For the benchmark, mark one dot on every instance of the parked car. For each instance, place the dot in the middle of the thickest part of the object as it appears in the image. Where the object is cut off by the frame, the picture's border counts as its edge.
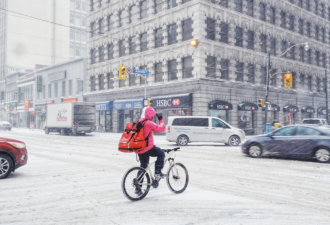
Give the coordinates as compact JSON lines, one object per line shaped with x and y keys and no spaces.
{"x":5,"y":125}
{"x":185,"y":129}
{"x":296,"y":141}
{"x":315,"y":121}
{"x":13,"y":154}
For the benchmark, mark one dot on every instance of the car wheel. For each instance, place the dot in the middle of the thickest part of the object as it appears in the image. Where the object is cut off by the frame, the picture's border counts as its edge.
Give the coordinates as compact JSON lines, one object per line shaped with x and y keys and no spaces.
{"x":234,"y":140}
{"x":322,"y":155}
{"x":255,"y":151}
{"x":46,"y":131}
{"x":63,"y":132}
{"x":6,"y":166}
{"x":182,"y":140}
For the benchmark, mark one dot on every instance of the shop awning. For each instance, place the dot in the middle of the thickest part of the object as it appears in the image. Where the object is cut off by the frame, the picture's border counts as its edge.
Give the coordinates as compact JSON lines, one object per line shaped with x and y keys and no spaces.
{"x":273,"y":107}
{"x":104,"y":106}
{"x":220,"y":105}
{"x":247,"y":106}
{"x":322,"y":110}
{"x":172,"y":101}
{"x":128,"y":104}
{"x":290,"y":108}
{"x":308,"y":109}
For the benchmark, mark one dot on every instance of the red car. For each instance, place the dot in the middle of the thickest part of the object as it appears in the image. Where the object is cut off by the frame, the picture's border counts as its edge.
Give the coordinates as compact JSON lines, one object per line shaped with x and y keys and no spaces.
{"x":13,"y":154}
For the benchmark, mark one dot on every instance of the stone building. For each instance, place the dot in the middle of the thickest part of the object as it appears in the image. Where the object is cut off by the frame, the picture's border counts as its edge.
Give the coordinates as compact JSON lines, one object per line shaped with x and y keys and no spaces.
{"x":225,"y":74}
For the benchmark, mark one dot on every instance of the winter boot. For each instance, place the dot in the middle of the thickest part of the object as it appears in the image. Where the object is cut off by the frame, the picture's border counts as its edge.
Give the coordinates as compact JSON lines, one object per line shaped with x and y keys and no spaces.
{"x":159,"y":174}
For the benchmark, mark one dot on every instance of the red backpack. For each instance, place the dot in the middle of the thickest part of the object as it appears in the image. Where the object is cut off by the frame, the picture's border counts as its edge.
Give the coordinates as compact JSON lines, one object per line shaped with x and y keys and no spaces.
{"x":133,"y":139}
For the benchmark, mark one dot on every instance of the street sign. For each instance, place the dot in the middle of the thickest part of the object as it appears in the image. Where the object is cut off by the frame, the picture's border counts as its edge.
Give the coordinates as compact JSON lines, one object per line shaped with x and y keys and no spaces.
{"x":143,"y":72}
{"x":269,"y":107}
{"x":129,"y":70}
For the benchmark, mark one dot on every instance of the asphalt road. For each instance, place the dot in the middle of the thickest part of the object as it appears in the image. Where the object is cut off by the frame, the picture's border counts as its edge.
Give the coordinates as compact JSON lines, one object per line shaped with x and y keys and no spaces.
{"x":76,"y":180}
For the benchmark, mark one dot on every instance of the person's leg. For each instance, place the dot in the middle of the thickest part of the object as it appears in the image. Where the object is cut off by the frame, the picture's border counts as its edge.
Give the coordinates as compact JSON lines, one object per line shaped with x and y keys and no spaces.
{"x":144,"y":161}
{"x":160,"y":154}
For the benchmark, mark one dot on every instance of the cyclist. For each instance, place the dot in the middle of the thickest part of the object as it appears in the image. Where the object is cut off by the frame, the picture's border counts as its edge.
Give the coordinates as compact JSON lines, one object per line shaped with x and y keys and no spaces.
{"x":151,"y":150}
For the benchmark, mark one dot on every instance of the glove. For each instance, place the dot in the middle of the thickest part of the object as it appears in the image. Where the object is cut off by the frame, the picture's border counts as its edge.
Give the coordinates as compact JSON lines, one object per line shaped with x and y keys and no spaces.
{"x":159,"y":116}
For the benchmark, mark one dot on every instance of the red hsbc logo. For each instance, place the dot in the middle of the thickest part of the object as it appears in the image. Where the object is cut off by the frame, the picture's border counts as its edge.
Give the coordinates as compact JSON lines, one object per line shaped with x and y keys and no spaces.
{"x":176,"y":101}
{"x":226,"y":107}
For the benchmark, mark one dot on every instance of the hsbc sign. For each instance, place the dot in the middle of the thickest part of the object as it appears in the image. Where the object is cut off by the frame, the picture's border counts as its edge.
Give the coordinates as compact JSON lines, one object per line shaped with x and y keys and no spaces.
{"x":180,"y":101}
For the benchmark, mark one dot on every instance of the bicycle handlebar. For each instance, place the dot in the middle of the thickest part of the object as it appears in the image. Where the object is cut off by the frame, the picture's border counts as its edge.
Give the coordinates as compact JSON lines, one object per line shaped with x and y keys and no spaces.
{"x":169,"y":150}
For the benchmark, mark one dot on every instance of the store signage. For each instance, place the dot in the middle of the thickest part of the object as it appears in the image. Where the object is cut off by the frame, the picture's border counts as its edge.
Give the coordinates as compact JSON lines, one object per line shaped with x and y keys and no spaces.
{"x":290,"y":108}
{"x":70,"y":100}
{"x":247,"y":106}
{"x":128,"y":104}
{"x":220,"y":105}
{"x":143,"y":72}
{"x":39,"y":83}
{"x":39,"y":108}
{"x":57,"y":75}
{"x":179,"y":101}
{"x":322,"y":111}
{"x":307,"y":109}
{"x":50,"y":102}
{"x":27,"y":105}
{"x":272,"y":107}
{"x":104,"y":106}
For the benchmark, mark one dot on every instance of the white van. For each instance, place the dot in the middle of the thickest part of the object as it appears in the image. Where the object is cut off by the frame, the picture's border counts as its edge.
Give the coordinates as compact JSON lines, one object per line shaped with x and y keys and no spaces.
{"x":184,"y":129}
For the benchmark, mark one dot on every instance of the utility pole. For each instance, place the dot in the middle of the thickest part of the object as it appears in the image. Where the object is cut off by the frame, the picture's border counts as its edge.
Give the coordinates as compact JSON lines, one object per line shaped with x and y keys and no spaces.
{"x":326,"y":96}
{"x":267,"y":89}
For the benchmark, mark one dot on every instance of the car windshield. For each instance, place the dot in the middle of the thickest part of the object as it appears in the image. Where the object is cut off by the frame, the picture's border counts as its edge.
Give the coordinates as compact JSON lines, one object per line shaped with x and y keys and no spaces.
{"x":311,"y":121}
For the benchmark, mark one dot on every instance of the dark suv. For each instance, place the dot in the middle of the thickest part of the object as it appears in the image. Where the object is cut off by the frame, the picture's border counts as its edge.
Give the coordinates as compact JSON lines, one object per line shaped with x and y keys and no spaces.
{"x":13,"y":154}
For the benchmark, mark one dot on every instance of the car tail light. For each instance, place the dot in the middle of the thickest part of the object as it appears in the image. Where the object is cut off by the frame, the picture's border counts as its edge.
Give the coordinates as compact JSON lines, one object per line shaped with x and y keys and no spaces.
{"x":168,"y":129}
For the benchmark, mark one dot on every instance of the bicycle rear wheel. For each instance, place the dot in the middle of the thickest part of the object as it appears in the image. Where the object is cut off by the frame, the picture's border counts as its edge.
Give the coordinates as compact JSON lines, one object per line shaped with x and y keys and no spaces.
{"x":135,"y":184}
{"x":177,"y":178}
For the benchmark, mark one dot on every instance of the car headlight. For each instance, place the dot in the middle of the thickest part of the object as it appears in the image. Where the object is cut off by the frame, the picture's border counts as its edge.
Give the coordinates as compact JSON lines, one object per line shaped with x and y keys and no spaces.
{"x":242,"y":132}
{"x":17,"y":145}
{"x":242,"y":142}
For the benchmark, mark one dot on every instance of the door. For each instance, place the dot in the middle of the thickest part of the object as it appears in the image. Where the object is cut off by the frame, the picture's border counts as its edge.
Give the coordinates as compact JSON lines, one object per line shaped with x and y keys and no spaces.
{"x":121,"y":120}
{"x":200,"y":129}
{"x":217,"y":130}
{"x":280,"y":141}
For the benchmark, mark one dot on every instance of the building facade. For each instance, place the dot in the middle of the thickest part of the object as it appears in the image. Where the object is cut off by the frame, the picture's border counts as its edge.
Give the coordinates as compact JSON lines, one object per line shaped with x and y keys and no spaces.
{"x":225,"y":74}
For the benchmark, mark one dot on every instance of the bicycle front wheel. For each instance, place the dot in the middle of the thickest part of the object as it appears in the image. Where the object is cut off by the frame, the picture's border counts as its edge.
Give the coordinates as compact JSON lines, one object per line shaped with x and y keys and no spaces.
{"x":177,"y":178}
{"x":136,"y":184}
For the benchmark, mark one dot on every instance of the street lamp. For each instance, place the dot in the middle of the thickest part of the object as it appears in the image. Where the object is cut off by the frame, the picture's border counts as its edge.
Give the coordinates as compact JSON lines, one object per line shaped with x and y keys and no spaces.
{"x":268,"y":70}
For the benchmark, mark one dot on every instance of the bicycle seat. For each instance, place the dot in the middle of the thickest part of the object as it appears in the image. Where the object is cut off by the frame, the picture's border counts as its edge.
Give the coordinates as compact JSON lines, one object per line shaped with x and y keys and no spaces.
{"x":169,"y":150}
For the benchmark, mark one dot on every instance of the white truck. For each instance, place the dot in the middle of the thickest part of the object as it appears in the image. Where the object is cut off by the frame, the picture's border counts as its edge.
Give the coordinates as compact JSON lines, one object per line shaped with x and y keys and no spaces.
{"x":70,"y":118}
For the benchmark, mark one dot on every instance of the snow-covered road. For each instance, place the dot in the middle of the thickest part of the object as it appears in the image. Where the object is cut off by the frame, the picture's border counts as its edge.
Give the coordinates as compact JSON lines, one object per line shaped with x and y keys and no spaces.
{"x":76,"y":180}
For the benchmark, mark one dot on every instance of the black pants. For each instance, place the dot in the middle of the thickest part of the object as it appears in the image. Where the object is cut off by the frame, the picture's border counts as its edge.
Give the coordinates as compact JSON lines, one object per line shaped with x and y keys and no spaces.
{"x":154,"y":152}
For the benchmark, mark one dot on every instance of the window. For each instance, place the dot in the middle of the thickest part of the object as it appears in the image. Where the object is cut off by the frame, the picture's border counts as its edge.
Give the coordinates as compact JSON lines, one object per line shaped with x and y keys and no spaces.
{"x":158,"y":6}
{"x":70,"y":87}
{"x":56,"y":90}
{"x":218,"y":123}
{"x":301,"y":26}
{"x":72,"y":4}
{"x":187,"y":67}
{"x":172,"y":70}
{"x":101,"y":53}
{"x":286,"y":131}
{"x":224,"y":32}
{"x":144,"y":10}
{"x":273,"y":46}
{"x":306,"y":131}
{"x":316,"y":7}
{"x":322,"y":10}
{"x":211,"y":66}
{"x":101,"y":82}
{"x":318,"y":84}
{"x":283,"y":20}
{"x":111,"y":22}
{"x":324,"y":59}
{"x":239,"y":36}
{"x":144,"y":42}
{"x":44,"y":91}
{"x":172,"y":33}
{"x":272,"y":17}
{"x":284,"y":48}
{"x":110,"y":80}
{"x":317,"y":30}
{"x":238,"y":5}
{"x":63,"y":88}
{"x":110,"y":51}
{"x":92,"y":82}
{"x":132,"y":45}
{"x":300,"y":3}
{"x":83,"y":22}
{"x":210,"y":29}
{"x":292,"y":53}
{"x":159,"y":72}
{"x":172,"y":4}
{"x":291,"y":23}
{"x":132,"y":80}
{"x":302,"y":53}
{"x":302,"y":81}
{"x":223,"y":3}
{"x":262,"y":11}
{"x":309,"y":56}
{"x":224,"y":69}
{"x":308,"y":29}
{"x":323,"y":34}
{"x":72,"y":35}
{"x":77,"y":36}
{"x":196,"y":122}
{"x":123,"y":18}
{"x":239,"y":71}
{"x":101,"y":26}
{"x":122,"y":48}
{"x":159,"y":37}
{"x":187,"y":29}
{"x":83,"y":38}
{"x":93,"y":29}
{"x":185,"y":1}
{"x":263,"y":75}
{"x":250,"y":40}
{"x":49,"y":90}
{"x":77,"y":21}
{"x":80,"y":87}
{"x":263,"y":43}
{"x":100,"y":3}
{"x":317,"y":58}
{"x":93,"y":56}
{"x":250,"y":73}
{"x":83,"y":6}
{"x":309,"y":83}
{"x":308,"y":5}
{"x":134,"y":14}
{"x":249,"y":7}
{"x":72,"y":18}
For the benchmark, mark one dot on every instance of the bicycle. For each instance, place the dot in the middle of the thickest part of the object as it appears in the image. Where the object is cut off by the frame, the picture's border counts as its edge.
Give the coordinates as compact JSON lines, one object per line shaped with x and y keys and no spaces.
{"x":140,"y":178}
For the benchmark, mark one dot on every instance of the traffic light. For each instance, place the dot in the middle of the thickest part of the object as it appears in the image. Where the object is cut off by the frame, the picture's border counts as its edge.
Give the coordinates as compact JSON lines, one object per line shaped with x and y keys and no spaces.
{"x":122,"y":72}
{"x":288,"y":80}
{"x":194,"y":42}
{"x":149,"y":102}
{"x":261,"y":103}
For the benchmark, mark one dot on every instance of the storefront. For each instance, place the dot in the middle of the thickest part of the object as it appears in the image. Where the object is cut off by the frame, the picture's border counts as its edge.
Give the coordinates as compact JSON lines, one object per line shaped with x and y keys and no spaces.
{"x":128,"y":111}
{"x":290,"y":115}
{"x":322,"y":112}
{"x":272,"y":114}
{"x":246,"y":117}
{"x":104,"y":116}
{"x":307,"y":112}
{"x":173,"y":105}
{"x":220,"y":109}
{"x":40,"y":111}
